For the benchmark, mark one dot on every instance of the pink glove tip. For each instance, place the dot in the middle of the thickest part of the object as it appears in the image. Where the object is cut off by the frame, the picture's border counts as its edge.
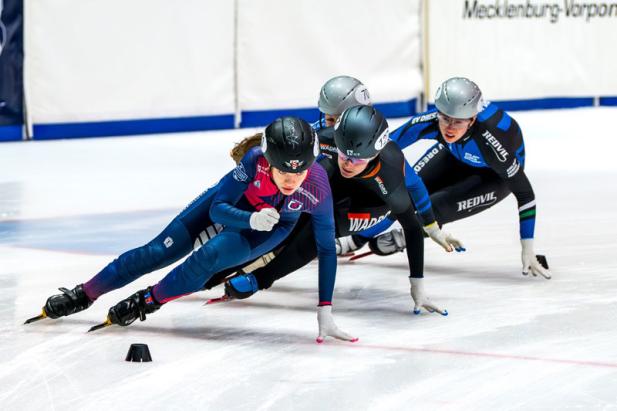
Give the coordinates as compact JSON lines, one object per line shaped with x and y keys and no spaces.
{"x":319,"y":340}
{"x":355,"y":340}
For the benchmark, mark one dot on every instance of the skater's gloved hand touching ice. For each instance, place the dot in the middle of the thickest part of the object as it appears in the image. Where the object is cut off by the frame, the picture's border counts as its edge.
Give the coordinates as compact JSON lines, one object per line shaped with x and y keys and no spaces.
{"x":420,"y":298}
{"x":327,"y":327}
{"x":444,"y":239}
{"x":264,"y":219}
{"x":530,"y":261}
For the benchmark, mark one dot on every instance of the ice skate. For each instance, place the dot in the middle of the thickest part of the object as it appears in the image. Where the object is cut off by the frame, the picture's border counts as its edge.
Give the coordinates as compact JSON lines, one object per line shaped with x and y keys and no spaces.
{"x":130,"y":309}
{"x":61,"y":305}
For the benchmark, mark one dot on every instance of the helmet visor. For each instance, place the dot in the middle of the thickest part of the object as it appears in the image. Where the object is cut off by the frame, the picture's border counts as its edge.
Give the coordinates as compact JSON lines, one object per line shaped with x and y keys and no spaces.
{"x":353,"y":160}
{"x":454,"y":123}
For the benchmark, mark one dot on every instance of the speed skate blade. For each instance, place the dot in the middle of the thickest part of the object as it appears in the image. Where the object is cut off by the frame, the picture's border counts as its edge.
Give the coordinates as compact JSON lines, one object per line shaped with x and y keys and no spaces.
{"x":217,"y":300}
{"x":37,"y":318}
{"x":107,"y":323}
{"x":358,"y":256}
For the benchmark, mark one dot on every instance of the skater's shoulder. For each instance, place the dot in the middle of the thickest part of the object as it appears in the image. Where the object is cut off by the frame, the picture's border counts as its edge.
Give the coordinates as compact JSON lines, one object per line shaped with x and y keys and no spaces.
{"x":326,"y":140}
{"x":392,"y":156}
{"x":315,"y":188}
{"x":425,"y":118}
{"x":253,"y":155}
{"x":317,"y":177}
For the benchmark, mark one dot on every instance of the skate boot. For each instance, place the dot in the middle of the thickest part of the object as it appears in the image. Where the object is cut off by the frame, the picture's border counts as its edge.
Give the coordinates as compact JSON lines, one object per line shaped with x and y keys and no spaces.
{"x":130,"y":309}
{"x":133,"y":308}
{"x":67,"y":303}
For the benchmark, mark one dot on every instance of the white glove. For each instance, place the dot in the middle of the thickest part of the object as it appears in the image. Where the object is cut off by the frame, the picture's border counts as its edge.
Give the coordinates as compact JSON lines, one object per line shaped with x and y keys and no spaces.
{"x":388,"y":243}
{"x":530,"y":262}
{"x":264,"y":219}
{"x":327,"y":326}
{"x":420,"y":299}
{"x":345,"y":245}
{"x":442,"y":238}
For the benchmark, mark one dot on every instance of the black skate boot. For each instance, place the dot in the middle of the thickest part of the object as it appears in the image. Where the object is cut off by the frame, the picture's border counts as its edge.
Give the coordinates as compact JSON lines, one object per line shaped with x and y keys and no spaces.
{"x":130,"y":309}
{"x":67,"y":303}
{"x":133,"y":308}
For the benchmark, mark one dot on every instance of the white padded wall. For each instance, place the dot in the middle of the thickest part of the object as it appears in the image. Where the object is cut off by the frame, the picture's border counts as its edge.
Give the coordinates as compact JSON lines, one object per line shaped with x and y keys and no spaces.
{"x":89,"y":60}
{"x":521,"y":49}
{"x":287,"y":49}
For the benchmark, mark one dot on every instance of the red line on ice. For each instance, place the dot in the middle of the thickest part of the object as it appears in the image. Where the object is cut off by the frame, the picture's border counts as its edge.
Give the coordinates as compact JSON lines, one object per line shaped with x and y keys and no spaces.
{"x":491,"y":355}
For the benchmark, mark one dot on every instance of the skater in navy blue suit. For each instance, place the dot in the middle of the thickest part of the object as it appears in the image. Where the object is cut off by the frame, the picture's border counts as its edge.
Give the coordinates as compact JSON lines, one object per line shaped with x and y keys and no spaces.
{"x":479,"y":159}
{"x":248,"y":213}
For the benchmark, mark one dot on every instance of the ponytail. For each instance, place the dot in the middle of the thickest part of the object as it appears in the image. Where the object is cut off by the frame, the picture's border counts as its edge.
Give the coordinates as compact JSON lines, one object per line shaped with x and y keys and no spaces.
{"x":241,"y":148}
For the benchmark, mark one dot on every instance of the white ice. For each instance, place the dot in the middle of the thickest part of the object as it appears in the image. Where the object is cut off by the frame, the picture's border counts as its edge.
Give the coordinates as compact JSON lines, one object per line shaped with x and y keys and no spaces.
{"x":510,"y":342}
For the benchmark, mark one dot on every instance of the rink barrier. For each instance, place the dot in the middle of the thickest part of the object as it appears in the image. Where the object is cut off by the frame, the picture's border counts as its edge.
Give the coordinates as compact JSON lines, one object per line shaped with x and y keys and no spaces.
{"x":11,"y":69}
{"x":542,"y":103}
{"x":11,"y":133}
{"x":132,"y":127}
{"x":545,"y":103}
{"x":203,"y":123}
{"x":263,"y":117}
{"x":255,"y":119}
{"x":608,"y":101}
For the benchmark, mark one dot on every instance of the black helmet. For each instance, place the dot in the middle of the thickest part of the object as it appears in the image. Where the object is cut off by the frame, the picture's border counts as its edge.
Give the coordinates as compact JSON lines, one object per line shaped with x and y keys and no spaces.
{"x":361,"y":132}
{"x":290,"y":144}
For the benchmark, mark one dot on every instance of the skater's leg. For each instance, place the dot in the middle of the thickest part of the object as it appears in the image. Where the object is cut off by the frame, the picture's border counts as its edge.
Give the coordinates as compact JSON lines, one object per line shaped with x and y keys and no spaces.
{"x":228,"y":249}
{"x":168,"y":247}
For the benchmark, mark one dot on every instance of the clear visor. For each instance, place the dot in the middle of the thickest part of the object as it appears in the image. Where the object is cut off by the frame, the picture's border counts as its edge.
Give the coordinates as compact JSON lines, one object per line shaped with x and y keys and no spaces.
{"x":454,"y":123}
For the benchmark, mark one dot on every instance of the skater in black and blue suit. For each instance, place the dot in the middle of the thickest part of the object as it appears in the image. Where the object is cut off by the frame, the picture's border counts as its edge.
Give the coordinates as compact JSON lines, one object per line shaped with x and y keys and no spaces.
{"x":478,"y":160}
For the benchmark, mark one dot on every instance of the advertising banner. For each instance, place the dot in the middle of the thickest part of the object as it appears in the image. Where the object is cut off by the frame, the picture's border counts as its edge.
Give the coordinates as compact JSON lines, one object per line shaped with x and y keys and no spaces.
{"x":532,"y":53}
{"x":11,"y":70}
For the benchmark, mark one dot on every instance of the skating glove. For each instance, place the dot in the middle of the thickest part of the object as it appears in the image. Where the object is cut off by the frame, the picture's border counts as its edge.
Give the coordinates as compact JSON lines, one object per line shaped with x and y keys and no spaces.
{"x":345,"y":245}
{"x":420,"y":299}
{"x":264,"y":219}
{"x":327,"y":328}
{"x":388,"y":243}
{"x":530,"y":261}
{"x":443,"y":238}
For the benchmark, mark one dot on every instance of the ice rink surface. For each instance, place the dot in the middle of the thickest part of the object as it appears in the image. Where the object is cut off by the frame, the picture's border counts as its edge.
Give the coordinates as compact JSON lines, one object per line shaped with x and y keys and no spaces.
{"x":510,"y":342}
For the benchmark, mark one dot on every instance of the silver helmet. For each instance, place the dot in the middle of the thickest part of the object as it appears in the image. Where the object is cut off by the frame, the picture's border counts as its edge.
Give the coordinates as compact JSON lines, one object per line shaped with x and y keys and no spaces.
{"x":341,"y":92}
{"x":459,"y":97}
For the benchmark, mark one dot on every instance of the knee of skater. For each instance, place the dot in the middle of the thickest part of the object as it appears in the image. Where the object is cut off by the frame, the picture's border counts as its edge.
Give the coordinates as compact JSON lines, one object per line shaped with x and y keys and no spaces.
{"x":201,"y":264}
{"x":140,"y":261}
{"x":207,"y":254}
